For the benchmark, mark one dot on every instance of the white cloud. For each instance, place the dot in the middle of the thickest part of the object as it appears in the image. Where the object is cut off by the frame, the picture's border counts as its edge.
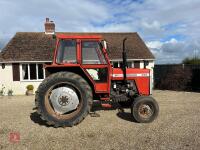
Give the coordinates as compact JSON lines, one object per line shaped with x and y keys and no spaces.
{"x":173,"y":51}
{"x":154,"y":44}
{"x":172,"y":40}
{"x":154,"y":25}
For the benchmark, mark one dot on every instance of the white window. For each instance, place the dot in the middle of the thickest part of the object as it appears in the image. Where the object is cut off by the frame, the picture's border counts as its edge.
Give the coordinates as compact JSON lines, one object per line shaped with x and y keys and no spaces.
{"x":118,"y":64}
{"x":32,"y":72}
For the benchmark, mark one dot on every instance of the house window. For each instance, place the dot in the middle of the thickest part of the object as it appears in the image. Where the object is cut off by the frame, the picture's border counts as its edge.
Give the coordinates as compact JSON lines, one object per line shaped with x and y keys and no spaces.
{"x":146,"y":63}
{"x":129,"y":64}
{"x":32,"y":72}
{"x":137,"y":64}
{"x":119,"y":64}
{"x":116,"y":64}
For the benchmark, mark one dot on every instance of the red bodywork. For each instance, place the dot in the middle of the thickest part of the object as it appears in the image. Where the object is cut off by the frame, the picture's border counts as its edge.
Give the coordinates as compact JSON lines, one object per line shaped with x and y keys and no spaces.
{"x":140,"y":76}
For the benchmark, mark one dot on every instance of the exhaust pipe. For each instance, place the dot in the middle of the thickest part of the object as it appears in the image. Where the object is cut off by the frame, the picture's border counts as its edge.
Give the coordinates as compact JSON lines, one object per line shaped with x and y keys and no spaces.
{"x":124,"y":57}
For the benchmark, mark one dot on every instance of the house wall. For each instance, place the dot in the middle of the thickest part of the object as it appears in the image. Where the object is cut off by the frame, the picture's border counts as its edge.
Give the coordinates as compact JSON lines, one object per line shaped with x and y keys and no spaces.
{"x":18,"y":87}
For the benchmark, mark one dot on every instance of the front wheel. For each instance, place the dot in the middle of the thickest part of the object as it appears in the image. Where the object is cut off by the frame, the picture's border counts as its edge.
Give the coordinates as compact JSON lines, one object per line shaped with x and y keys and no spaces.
{"x":144,"y":109}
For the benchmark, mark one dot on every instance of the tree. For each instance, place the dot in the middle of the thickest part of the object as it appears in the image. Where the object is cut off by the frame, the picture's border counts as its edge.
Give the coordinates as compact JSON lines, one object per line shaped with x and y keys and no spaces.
{"x":191,"y":61}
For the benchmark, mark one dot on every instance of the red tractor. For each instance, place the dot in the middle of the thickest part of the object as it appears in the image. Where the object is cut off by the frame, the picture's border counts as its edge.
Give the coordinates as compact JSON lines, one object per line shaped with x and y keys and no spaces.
{"x":81,"y":72}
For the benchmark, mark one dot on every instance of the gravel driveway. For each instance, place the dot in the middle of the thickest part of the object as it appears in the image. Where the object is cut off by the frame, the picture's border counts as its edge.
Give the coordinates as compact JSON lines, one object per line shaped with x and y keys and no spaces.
{"x":177,"y":127}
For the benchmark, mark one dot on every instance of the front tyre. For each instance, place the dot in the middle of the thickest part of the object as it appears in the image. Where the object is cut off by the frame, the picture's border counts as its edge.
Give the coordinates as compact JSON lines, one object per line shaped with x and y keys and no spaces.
{"x":144,"y":109}
{"x":63,"y":99}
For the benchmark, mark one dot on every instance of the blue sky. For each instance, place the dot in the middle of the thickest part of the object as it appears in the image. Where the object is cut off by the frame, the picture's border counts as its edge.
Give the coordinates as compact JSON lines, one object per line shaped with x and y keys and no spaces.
{"x":169,"y":28}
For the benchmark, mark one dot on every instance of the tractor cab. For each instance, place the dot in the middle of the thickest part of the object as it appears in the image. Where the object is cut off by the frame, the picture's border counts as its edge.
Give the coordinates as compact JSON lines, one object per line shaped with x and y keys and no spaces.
{"x":87,"y":53}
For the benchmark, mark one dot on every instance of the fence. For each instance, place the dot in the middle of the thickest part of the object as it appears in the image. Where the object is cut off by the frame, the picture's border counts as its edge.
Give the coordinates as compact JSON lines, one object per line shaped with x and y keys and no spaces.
{"x":177,"y":77}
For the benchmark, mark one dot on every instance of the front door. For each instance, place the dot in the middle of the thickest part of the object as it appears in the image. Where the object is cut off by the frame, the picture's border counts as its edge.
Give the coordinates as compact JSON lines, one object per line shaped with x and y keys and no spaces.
{"x":95,"y":64}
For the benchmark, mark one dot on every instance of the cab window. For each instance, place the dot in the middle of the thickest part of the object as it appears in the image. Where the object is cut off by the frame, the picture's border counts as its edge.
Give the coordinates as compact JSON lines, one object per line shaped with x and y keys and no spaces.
{"x":92,"y":53}
{"x":66,"y":51}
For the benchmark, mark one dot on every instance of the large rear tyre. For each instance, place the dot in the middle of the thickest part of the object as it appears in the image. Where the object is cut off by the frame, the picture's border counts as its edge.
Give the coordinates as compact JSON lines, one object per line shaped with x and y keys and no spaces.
{"x":63,"y":99}
{"x":144,"y":109}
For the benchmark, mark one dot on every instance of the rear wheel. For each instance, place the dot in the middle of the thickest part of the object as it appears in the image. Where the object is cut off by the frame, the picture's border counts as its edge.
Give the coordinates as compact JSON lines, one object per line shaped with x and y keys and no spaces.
{"x":64,"y":99}
{"x":144,"y":109}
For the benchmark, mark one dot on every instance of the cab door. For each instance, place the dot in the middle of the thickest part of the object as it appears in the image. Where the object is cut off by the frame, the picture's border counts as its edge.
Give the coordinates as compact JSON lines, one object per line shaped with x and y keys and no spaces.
{"x":95,"y":65}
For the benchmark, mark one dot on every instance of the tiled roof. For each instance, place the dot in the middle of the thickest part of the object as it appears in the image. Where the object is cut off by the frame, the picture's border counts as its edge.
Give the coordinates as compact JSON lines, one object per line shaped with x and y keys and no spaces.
{"x":38,"y":46}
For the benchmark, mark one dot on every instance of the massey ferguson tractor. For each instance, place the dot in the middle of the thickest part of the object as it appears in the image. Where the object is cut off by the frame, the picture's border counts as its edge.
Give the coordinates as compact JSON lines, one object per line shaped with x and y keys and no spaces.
{"x":80,"y":73}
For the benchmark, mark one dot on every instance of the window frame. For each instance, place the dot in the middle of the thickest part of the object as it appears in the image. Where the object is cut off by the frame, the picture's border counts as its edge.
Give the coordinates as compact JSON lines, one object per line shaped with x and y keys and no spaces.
{"x":37,"y":77}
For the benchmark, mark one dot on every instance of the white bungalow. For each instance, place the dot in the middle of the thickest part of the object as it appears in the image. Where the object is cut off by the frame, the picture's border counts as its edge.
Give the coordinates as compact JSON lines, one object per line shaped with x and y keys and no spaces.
{"x":22,"y":59}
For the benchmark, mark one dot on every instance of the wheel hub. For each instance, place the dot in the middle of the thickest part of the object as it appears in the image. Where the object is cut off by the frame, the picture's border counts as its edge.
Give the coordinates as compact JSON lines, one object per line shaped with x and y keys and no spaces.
{"x":145,"y":111}
{"x":64,"y":99}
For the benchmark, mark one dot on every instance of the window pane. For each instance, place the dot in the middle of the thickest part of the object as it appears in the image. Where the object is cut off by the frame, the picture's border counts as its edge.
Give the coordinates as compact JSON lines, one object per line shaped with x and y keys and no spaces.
{"x":33,"y":72}
{"x":40,"y":71}
{"x":67,"y":51}
{"x":121,"y":64}
{"x":115,"y":64}
{"x":91,"y":53}
{"x":137,"y":64}
{"x":25,"y":71}
{"x":129,"y":64}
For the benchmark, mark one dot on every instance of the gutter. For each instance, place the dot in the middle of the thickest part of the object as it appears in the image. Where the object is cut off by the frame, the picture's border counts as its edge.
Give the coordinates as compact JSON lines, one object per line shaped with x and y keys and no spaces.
{"x":7,"y":62}
{"x":51,"y":61}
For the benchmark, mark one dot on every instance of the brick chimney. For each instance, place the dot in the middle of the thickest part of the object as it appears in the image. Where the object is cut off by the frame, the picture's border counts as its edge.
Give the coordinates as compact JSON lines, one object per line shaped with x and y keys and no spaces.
{"x":49,"y":27}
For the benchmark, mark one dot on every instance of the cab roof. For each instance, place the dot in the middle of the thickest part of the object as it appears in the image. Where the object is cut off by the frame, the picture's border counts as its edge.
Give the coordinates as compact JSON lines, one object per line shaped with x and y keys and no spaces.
{"x":62,"y":36}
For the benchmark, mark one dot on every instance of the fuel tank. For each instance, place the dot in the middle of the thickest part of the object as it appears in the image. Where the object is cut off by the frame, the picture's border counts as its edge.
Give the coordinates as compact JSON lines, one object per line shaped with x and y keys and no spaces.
{"x":140,"y":76}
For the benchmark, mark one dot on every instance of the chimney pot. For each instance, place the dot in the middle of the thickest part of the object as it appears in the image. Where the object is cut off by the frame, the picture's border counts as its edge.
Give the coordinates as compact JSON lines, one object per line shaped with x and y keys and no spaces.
{"x":49,"y":27}
{"x":47,"y":19}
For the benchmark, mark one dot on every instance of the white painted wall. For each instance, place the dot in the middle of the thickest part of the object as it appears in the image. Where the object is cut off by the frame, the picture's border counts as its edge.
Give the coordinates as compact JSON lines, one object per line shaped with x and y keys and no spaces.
{"x":18,"y":87}
{"x":142,"y":64}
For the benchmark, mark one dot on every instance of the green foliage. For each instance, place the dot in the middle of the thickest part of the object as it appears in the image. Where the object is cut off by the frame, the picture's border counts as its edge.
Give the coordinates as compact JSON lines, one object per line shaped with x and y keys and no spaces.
{"x":2,"y":92}
{"x":29,"y":87}
{"x":10,"y":92}
{"x":191,"y":61}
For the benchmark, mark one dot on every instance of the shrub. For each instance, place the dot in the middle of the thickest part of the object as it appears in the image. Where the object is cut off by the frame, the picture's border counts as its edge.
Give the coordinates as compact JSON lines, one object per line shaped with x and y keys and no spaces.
{"x":2,"y":92}
{"x":29,"y":87}
{"x":10,"y":92}
{"x":191,"y":61}
{"x":176,"y":79}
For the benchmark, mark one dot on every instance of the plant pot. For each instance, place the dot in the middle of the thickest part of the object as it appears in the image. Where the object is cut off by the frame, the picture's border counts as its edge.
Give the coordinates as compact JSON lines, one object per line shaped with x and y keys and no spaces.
{"x":1,"y":95}
{"x":10,"y":94}
{"x":29,"y":92}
